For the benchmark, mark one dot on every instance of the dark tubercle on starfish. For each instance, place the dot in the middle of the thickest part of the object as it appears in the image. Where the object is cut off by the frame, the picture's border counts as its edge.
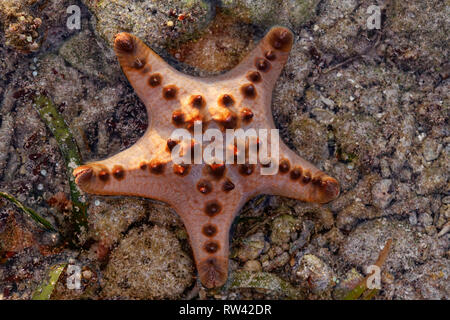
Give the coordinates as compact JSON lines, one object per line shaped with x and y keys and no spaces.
{"x":207,"y":197}
{"x":156,"y":167}
{"x":204,"y":186}
{"x":197,"y":101}
{"x":170,"y":92}
{"x":246,"y":114}
{"x":155,"y":80}
{"x":209,"y":230}
{"x":212,"y":208}
{"x":118,"y":172}
{"x":254,"y":76}
{"x":226,"y":100}
{"x":248,"y":91}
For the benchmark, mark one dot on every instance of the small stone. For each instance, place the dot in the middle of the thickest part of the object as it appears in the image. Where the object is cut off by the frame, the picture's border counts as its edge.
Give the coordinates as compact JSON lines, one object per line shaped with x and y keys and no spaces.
{"x":251,"y":247}
{"x":431,"y":180}
{"x":315,"y":273}
{"x":382,"y":194}
{"x":385,"y":170}
{"x":425,"y":219}
{"x":282,"y":227}
{"x":351,"y":279}
{"x":412,"y":218}
{"x":277,"y":262}
{"x":148,"y":263}
{"x":253,"y":266}
{"x":431,"y":149}
{"x":87,"y":274}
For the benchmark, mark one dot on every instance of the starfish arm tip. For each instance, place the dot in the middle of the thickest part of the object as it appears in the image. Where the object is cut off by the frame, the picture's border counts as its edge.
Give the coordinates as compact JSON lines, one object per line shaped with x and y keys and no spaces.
{"x":213,"y":271}
{"x":329,"y":190}
{"x":280,"y":38}
{"x":83,"y":175}
{"x":124,"y":42}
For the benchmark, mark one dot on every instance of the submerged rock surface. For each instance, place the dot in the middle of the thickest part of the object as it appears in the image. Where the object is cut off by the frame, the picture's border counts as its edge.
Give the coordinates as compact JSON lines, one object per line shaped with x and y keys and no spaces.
{"x":370,"y":107}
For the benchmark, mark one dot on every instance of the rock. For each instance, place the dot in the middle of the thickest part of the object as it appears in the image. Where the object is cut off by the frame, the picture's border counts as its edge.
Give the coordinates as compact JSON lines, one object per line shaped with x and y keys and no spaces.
{"x":323,"y":116}
{"x":431,"y":149}
{"x":382,"y":193}
{"x":429,"y":281}
{"x":251,"y":247}
{"x":305,"y":234}
{"x":276,"y":262}
{"x":425,"y":219}
{"x":210,"y":56}
{"x":84,"y":54}
{"x":358,"y":139}
{"x":148,"y":264}
{"x":21,"y":27}
{"x":292,"y":13}
{"x":310,"y":139}
{"x":352,"y":214}
{"x":315,"y":274}
{"x":282,"y":227}
{"x":109,"y":218}
{"x":351,"y":279}
{"x":15,"y":237}
{"x":338,"y":34}
{"x":409,"y":248}
{"x":163,"y":215}
{"x":300,"y":12}
{"x":385,"y":170}
{"x":157,"y":23}
{"x":431,"y":180}
{"x":425,"y":50}
{"x":253,"y":266}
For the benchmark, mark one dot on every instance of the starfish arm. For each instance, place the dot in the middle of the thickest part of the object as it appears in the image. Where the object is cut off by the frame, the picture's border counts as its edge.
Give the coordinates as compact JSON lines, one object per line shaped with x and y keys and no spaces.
{"x":296,"y":178}
{"x":208,"y":219}
{"x":136,"y":171}
{"x":156,"y":83}
{"x":263,"y":65}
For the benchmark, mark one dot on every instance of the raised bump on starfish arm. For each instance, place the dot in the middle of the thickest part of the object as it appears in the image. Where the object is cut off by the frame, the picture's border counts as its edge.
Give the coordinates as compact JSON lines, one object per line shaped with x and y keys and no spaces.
{"x":127,"y":174}
{"x":209,"y":228}
{"x":156,"y":83}
{"x":296,"y":178}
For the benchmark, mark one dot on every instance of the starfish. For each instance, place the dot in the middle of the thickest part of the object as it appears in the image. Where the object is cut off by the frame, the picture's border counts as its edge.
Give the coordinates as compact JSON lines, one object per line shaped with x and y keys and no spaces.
{"x":207,"y":197}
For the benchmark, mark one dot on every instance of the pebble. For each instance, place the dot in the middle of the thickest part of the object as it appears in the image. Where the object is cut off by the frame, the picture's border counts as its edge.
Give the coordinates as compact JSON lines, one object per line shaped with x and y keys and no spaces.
{"x":316,"y":273}
{"x":253,"y":266}
{"x":251,"y":247}
{"x":277,"y":262}
{"x":381,"y":194}
{"x":282,"y":227}
{"x":87,"y":274}
{"x":431,"y":149}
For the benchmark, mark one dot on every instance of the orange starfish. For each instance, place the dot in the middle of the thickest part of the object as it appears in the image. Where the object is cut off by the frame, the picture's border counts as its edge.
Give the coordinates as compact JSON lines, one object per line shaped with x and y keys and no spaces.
{"x":207,"y":197}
